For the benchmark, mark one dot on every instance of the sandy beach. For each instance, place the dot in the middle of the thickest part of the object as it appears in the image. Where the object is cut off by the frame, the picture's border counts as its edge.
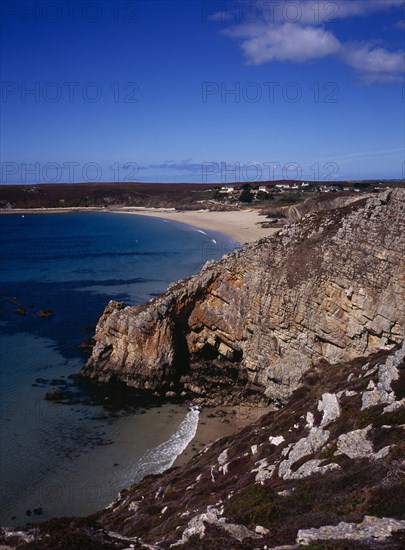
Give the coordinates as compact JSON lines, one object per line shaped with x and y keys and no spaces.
{"x":218,"y":422}
{"x":243,"y":226}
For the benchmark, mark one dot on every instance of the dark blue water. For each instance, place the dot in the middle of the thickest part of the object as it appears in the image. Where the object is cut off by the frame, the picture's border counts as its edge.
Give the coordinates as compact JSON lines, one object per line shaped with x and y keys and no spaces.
{"x":73,"y":458}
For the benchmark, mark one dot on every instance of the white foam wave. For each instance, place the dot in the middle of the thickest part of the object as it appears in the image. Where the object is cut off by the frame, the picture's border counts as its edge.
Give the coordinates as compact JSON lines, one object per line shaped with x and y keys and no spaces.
{"x":162,"y":457}
{"x":201,"y":231}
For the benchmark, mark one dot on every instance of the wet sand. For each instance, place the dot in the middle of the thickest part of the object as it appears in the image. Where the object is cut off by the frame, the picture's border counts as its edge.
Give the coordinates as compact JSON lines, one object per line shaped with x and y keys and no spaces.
{"x":218,"y":422}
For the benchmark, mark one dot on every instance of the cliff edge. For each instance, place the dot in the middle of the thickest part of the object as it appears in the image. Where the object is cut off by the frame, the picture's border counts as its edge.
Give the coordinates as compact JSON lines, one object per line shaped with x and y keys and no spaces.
{"x":329,"y":288}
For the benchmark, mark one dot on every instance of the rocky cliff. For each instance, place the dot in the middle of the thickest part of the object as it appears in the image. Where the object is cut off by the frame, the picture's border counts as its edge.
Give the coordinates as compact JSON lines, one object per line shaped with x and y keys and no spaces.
{"x":322,"y":202}
{"x":329,"y":288}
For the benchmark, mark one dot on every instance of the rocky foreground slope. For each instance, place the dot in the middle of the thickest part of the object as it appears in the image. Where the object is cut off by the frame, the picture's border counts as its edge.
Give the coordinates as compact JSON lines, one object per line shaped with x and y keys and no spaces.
{"x":328,"y":288}
{"x":325,"y":472}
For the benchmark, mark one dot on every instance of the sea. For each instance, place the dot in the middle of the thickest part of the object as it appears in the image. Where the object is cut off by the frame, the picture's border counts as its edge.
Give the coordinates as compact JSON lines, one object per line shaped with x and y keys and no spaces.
{"x":72,"y":458}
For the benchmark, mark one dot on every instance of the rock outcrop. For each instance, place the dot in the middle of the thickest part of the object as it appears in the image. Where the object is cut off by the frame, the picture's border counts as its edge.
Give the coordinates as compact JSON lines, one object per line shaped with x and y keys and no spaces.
{"x":330,"y":288}
{"x":322,"y":202}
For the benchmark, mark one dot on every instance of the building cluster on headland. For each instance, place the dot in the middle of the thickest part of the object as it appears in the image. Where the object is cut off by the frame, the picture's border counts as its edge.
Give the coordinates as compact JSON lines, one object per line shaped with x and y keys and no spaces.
{"x":250,"y":192}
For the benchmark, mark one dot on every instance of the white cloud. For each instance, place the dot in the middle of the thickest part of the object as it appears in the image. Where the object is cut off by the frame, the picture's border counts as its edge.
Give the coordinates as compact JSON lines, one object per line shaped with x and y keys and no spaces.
{"x":304,"y":40}
{"x":287,"y":42}
{"x":374,"y":63}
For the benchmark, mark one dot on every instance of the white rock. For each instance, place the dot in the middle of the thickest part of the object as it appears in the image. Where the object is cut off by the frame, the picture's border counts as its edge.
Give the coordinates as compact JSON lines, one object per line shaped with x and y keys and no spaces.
{"x":259,"y":464}
{"x":346,"y":393}
{"x":254,"y":449}
{"x":394,"y":406}
{"x":197,"y":526}
{"x":286,"y":450}
{"x":371,"y":528}
{"x":382,"y":452}
{"x":133,"y":506}
{"x":223,"y":457}
{"x":313,"y":467}
{"x":382,"y":393}
{"x":310,"y":420}
{"x":286,"y":492}
{"x":224,"y":468}
{"x":316,"y":438}
{"x":264,"y":473}
{"x":260,"y":530}
{"x":329,"y":405}
{"x":276,"y":440}
{"x":355,"y":444}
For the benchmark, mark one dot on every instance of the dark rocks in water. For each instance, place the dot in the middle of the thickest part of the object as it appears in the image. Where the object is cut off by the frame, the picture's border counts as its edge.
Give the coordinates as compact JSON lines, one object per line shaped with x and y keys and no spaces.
{"x":38,"y":511}
{"x":45,"y":313}
{"x":28,"y":513}
{"x":54,"y":395}
{"x":74,"y":401}
{"x":58,"y":382}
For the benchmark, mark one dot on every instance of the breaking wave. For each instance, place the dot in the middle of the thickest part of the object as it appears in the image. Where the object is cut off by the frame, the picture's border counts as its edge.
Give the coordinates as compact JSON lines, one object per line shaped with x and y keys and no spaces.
{"x":164,"y":455}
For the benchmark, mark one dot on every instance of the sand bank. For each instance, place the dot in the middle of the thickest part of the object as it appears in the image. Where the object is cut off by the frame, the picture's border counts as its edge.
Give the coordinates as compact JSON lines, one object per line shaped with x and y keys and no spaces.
{"x":218,"y":422}
{"x":243,"y":226}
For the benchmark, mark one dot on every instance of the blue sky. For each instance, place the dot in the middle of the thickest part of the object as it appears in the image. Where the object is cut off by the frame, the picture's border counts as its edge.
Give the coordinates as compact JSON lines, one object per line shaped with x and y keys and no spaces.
{"x":190,"y":91}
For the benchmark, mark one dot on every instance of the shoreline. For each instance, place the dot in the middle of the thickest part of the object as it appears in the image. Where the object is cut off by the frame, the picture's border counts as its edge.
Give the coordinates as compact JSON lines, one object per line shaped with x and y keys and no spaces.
{"x":217,"y":422}
{"x":242,"y":226}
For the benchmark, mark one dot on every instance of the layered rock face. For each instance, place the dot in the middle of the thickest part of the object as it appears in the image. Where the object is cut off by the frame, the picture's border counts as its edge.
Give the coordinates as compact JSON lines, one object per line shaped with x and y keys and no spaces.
{"x":328,"y":288}
{"x":321,"y":203}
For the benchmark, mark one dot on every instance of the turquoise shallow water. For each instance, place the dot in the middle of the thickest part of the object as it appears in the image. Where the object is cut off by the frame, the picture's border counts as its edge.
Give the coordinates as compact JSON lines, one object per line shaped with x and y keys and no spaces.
{"x":74,"y":458}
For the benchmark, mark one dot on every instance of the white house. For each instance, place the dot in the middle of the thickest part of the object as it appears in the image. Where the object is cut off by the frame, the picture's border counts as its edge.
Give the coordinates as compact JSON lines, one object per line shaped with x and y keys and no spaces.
{"x":282,"y":186}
